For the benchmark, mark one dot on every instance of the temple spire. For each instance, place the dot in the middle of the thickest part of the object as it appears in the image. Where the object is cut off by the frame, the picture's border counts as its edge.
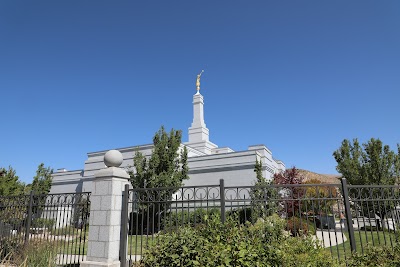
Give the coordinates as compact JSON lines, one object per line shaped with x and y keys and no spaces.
{"x":198,"y":132}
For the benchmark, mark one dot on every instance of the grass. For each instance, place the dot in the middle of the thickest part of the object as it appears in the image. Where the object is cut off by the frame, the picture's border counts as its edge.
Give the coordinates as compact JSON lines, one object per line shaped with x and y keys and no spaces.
{"x":363,"y":239}
{"x":76,"y":247}
{"x":135,"y":243}
{"x":37,"y":253}
{"x":68,"y":230}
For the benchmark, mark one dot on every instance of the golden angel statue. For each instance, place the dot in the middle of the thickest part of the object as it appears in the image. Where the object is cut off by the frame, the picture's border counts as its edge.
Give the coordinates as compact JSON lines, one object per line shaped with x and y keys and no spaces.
{"x":198,"y":80}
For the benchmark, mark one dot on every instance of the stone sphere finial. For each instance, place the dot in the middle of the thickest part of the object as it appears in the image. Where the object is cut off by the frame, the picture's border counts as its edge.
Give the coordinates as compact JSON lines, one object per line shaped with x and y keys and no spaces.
{"x":113,"y":158}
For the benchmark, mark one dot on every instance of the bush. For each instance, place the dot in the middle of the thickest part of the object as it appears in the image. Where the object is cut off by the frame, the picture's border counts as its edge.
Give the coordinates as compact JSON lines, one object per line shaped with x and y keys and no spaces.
{"x":43,"y":223}
{"x":304,"y":251}
{"x":16,"y":223}
{"x":376,"y":256}
{"x":212,"y":244}
{"x":185,"y":218}
{"x":196,"y":217}
{"x":299,"y":227}
{"x":243,"y":215}
{"x":215,"y":244}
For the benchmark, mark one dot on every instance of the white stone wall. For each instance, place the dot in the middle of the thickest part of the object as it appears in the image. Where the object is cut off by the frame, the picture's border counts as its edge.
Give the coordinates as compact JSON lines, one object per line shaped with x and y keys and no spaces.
{"x":237,"y":168}
{"x":67,"y":182}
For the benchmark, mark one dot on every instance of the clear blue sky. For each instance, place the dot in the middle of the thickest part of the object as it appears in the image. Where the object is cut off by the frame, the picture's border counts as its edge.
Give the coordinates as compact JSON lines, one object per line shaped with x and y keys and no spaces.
{"x":297,"y":76}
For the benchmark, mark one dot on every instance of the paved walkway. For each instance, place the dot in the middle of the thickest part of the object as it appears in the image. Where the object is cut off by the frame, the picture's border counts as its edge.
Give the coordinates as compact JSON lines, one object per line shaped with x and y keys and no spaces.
{"x":330,"y":238}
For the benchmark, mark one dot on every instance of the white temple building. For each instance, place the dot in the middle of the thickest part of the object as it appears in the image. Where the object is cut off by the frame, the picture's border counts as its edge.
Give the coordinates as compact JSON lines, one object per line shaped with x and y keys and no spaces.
{"x":207,"y":162}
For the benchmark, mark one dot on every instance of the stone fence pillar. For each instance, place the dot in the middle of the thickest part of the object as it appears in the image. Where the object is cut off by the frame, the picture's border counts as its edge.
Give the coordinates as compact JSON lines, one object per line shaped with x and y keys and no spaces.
{"x":105,"y":213}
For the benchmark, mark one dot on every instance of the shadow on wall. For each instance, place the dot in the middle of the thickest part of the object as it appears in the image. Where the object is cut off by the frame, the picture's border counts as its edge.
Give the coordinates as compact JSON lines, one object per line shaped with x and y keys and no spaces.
{"x":79,"y":186}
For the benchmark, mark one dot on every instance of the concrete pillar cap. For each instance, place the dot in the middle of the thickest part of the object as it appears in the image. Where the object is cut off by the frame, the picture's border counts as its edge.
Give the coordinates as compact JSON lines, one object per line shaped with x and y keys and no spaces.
{"x":113,"y":158}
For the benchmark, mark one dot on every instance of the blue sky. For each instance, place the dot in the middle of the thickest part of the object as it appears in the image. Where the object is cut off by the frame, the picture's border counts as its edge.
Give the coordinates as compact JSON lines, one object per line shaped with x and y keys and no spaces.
{"x":297,"y":76}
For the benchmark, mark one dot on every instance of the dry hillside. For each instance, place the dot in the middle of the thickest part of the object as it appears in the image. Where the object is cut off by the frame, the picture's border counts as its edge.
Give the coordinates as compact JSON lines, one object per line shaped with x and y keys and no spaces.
{"x":324,"y":178}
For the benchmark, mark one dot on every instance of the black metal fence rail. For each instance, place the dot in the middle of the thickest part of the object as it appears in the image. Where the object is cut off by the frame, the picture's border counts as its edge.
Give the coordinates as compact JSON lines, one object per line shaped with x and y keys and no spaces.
{"x":150,"y":211}
{"x":342,"y":218}
{"x":58,"y":221}
{"x":376,"y":215}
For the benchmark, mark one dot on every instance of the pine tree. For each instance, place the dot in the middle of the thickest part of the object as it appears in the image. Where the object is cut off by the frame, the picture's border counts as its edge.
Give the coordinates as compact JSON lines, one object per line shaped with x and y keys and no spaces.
{"x":40,"y":187}
{"x":261,"y":194}
{"x":10,"y":186}
{"x":42,"y":181}
{"x":9,"y":182}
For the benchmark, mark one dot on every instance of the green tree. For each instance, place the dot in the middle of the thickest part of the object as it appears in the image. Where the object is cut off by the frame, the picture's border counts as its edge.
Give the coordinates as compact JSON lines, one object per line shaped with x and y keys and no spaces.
{"x":370,"y":164}
{"x":166,"y":168}
{"x":41,"y":183}
{"x":40,"y":187}
{"x":261,"y":194}
{"x":10,"y":209}
{"x":9,"y":182}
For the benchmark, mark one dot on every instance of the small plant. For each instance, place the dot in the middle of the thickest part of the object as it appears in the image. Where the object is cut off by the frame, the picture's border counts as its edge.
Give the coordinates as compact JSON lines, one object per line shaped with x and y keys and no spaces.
{"x":43,"y":223}
{"x":299,"y":227}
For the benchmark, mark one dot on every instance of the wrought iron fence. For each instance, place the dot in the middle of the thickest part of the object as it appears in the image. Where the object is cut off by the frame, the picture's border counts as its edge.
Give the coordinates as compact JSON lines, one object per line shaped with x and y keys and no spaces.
{"x":60,"y":220}
{"x":342,"y":218}
{"x":375,"y":212}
